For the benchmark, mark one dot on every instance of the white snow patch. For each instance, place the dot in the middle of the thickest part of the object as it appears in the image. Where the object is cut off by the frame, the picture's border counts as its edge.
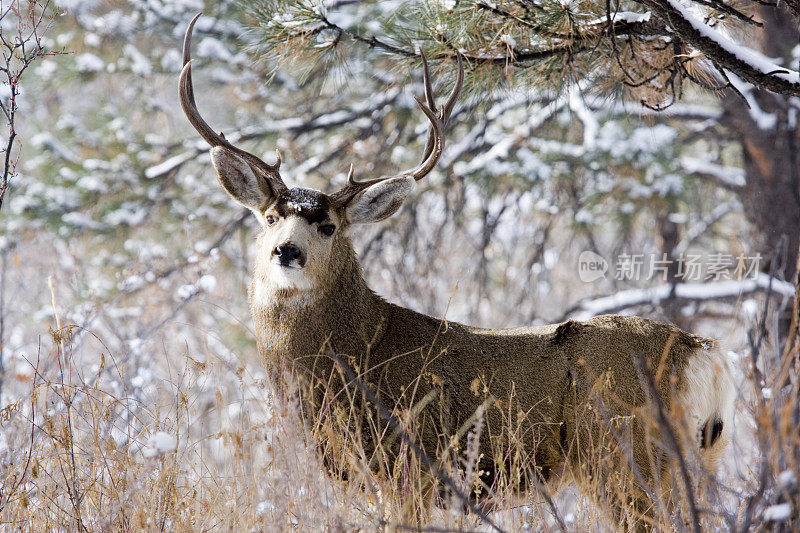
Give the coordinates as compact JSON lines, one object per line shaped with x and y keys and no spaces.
{"x":139,"y":63}
{"x":624,"y":16}
{"x":129,"y":214}
{"x":509,"y":40}
{"x":170,"y":164}
{"x":91,"y":39}
{"x":81,"y":220}
{"x":778,"y":513}
{"x":786,"y":479}
{"x":214,"y":49}
{"x":750,"y":308}
{"x":46,"y":140}
{"x":171,"y":61}
{"x":91,"y":183}
{"x":342,"y":19}
{"x":764,"y":120}
{"x":584,"y":216}
{"x":305,"y":199}
{"x":207,"y":283}
{"x":264,"y":507}
{"x":131,"y":283}
{"x":47,"y":68}
{"x":185,"y":292}
{"x":89,"y":63}
{"x":159,"y":444}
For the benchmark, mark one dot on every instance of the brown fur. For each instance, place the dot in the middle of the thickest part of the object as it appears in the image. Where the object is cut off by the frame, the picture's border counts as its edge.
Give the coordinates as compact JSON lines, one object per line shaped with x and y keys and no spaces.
{"x":555,"y":374}
{"x":564,"y":397}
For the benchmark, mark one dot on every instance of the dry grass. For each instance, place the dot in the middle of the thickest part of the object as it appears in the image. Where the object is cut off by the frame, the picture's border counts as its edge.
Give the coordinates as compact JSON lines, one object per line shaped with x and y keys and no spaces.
{"x":83,"y":451}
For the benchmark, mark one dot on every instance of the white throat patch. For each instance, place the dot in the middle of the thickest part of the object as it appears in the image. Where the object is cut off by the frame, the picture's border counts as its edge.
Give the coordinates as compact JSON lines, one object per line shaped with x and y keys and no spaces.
{"x":288,"y":278}
{"x":281,"y":285}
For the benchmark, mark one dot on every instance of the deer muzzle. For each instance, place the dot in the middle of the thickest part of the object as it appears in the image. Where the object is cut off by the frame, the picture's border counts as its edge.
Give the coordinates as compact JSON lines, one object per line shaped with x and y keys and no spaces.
{"x":289,"y":255}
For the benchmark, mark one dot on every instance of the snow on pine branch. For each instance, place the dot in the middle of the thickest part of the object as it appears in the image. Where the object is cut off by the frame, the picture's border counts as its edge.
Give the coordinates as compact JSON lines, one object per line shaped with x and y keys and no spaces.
{"x":622,"y":16}
{"x":729,"y":177}
{"x":749,"y":64}
{"x":687,"y":291}
{"x":754,"y":58}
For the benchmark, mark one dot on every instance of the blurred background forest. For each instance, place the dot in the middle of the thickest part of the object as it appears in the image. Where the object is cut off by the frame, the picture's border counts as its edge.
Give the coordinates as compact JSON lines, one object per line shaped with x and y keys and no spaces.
{"x":615,"y":129}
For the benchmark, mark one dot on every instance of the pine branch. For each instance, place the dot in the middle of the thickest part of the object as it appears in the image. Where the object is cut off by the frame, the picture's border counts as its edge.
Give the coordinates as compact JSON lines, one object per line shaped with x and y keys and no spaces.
{"x":372,"y":41}
{"x":728,"y":55}
{"x":566,"y":47}
{"x":722,"y":7}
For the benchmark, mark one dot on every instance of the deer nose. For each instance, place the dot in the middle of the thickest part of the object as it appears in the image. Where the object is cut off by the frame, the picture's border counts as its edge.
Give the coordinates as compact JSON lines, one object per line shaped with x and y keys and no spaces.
{"x":287,"y":253}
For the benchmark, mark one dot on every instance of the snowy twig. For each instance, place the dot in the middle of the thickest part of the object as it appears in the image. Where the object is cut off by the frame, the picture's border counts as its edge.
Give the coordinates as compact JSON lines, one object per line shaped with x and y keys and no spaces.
{"x":730,"y":178}
{"x":682,"y":291}
{"x":700,"y":228}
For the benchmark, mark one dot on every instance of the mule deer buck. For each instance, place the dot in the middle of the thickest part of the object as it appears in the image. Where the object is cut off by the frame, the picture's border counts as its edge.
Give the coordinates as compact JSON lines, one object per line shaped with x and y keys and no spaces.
{"x":572,"y":396}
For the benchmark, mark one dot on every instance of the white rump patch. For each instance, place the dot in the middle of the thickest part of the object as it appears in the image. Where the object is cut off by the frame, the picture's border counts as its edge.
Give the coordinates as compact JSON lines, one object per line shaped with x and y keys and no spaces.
{"x":707,"y":391}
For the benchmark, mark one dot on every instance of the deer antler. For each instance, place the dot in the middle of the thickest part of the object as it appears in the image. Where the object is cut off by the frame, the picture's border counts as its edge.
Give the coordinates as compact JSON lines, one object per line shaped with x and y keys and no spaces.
{"x":266,"y":171}
{"x":433,"y":147}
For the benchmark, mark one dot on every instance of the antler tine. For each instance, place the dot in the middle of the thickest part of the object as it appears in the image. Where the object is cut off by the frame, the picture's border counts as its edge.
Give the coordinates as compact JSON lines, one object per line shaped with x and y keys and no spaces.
{"x":426,"y":81}
{"x":186,"y":90}
{"x":434,"y":145}
{"x":353,"y":187}
{"x":447,"y":108}
{"x":187,"y":58}
{"x":435,"y":139}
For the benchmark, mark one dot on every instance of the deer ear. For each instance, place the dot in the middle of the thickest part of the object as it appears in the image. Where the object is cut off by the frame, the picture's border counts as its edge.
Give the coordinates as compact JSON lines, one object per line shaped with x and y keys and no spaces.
{"x":238,"y":179}
{"x":380,"y":201}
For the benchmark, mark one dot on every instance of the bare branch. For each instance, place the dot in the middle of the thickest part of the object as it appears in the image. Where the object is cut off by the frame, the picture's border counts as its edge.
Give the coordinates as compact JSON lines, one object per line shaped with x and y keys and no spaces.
{"x":33,"y":20}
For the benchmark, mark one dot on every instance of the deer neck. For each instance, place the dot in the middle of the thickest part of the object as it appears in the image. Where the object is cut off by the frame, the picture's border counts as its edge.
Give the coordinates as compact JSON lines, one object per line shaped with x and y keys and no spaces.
{"x":344,"y":315}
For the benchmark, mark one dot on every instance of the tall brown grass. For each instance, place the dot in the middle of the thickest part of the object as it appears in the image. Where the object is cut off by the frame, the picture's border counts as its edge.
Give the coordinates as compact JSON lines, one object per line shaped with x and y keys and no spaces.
{"x":86,"y":451}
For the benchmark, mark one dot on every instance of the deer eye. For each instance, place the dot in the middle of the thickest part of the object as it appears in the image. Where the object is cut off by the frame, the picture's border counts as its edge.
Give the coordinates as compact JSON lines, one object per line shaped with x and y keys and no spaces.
{"x":327,"y":229}
{"x":271,"y":220}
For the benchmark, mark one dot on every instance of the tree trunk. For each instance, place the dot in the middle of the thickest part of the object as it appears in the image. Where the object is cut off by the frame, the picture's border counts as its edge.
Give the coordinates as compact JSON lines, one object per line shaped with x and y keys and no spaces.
{"x":771,"y":196}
